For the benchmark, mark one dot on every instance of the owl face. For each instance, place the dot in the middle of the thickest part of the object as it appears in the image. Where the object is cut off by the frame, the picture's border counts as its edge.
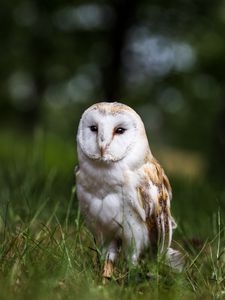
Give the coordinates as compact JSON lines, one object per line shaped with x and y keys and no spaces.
{"x":109,"y":131}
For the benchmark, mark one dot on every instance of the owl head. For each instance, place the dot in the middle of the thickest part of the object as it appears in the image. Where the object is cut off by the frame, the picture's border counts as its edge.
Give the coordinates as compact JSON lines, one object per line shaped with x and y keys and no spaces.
{"x":111,"y":132}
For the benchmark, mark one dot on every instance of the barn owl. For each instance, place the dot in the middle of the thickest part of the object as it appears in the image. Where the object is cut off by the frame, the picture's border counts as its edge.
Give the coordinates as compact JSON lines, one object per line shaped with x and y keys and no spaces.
{"x":123,"y":192}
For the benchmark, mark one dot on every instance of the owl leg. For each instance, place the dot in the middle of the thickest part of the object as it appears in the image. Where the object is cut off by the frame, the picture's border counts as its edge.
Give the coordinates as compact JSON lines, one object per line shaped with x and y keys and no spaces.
{"x":137,"y":247}
{"x":111,"y":255}
{"x":135,"y":255}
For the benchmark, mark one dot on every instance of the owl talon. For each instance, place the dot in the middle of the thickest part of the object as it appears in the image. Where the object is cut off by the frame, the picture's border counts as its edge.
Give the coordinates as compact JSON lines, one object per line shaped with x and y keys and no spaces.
{"x":107,"y":271}
{"x":105,"y":280}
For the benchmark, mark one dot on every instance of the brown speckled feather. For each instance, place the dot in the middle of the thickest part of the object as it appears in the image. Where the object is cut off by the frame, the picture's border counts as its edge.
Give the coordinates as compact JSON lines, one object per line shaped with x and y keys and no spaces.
{"x":157,"y":205}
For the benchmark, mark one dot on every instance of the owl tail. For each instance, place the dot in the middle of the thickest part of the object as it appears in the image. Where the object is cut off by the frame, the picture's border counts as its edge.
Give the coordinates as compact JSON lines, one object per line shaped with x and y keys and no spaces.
{"x":175,"y":259}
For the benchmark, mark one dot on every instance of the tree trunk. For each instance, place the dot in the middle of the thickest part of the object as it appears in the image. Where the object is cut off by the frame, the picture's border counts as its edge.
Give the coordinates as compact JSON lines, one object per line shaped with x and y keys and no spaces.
{"x":125,"y":11}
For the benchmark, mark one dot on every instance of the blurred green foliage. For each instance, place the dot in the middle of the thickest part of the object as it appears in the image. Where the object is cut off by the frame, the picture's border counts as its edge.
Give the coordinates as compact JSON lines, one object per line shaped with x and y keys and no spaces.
{"x":164,"y":59}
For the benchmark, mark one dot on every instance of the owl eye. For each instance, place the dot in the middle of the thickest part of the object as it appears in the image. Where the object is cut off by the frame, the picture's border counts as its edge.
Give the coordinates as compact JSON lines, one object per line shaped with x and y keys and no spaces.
{"x":120,"y":130}
{"x":94,"y":128}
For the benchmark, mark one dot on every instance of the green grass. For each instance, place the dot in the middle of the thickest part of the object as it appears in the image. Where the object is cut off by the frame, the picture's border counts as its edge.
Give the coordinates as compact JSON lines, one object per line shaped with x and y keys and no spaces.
{"x":46,"y":252}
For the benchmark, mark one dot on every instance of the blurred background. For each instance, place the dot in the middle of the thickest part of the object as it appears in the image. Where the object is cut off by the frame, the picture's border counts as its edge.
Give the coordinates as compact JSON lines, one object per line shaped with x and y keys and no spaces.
{"x":166,"y":59}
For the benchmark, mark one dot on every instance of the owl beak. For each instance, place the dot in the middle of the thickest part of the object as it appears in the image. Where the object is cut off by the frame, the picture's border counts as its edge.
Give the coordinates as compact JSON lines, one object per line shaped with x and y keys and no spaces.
{"x":102,"y":150}
{"x":103,"y":147}
{"x":103,"y":144}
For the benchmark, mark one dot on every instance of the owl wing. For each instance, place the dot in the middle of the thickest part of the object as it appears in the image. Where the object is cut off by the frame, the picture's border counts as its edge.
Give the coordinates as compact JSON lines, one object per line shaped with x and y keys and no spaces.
{"x":154,"y":195}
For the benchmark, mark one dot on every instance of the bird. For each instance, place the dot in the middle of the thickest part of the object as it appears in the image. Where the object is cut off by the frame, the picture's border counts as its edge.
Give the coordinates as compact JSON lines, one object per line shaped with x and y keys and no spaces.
{"x":123,"y":192}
